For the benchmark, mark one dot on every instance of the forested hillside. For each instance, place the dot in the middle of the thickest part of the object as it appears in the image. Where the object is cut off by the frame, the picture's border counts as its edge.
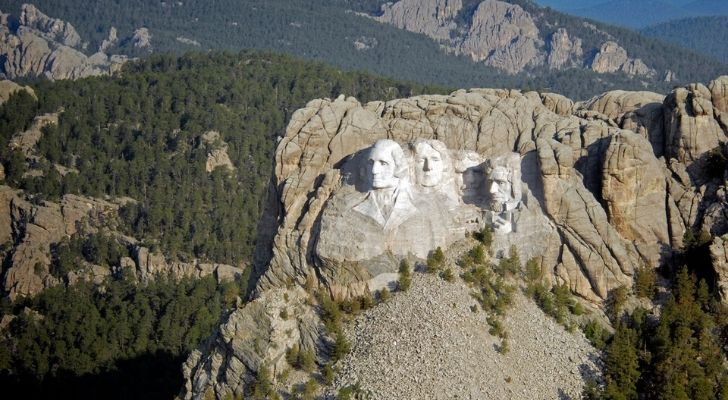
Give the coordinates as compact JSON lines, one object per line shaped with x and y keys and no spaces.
{"x":140,"y":136}
{"x":331,"y":31}
{"x":707,"y":35}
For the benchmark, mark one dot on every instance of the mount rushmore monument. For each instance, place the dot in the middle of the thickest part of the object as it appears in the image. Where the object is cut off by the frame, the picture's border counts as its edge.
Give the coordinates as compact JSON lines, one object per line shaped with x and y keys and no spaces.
{"x":591,"y":190}
{"x":396,"y":203}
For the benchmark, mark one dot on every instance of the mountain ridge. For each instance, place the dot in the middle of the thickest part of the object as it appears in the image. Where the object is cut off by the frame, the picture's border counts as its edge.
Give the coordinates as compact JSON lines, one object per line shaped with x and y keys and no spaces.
{"x":361,"y":43}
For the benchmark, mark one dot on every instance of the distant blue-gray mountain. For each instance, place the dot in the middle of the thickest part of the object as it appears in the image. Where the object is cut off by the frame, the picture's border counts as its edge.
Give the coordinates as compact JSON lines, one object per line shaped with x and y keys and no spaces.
{"x":639,"y":13}
{"x":707,"y":35}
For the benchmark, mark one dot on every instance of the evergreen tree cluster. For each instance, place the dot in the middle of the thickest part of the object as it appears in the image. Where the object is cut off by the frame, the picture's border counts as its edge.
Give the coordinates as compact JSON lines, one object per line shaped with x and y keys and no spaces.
{"x":121,"y":339}
{"x":678,"y":354}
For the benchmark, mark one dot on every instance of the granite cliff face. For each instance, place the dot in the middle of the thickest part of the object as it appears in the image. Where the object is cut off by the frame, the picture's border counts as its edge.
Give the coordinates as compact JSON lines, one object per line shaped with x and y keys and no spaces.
{"x":505,"y":36}
{"x":31,"y":231}
{"x":605,"y":186}
{"x":36,"y":45}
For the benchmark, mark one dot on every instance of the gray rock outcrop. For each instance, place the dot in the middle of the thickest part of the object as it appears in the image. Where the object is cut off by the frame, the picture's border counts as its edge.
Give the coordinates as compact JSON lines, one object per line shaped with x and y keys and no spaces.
{"x":563,"y":51}
{"x":41,"y":46}
{"x":719,"y":258}
{"x":8,"y":88}
{"x":217,"y":155}
{"x":147,"y":266}
{"x":257,"y":334}
{"x":691,"y":127}
{"x":433,"y":18}
{"x":142,"y":39}
{"x":504,"y":35}
{"x":31,"y":230}
{"x":611,"y":57}
{"x":51,"y":29}
{"x":26,"y":141}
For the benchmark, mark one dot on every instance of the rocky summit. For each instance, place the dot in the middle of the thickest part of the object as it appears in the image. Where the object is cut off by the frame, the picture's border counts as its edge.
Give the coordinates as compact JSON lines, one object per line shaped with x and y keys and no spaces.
{"x":36,"y":45}
{"x":590,"y":191}
{"x":505,"y":36}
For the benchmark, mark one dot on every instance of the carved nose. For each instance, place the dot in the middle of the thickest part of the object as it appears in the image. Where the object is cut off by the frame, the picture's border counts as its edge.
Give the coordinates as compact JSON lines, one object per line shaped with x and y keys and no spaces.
{"x":426,"y":167}
{"x":494,"y":187}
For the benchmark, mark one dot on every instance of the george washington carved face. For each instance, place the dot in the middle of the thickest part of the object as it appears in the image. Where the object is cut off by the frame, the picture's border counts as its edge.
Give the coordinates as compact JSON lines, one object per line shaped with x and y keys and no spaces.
{"x":386,"y":164}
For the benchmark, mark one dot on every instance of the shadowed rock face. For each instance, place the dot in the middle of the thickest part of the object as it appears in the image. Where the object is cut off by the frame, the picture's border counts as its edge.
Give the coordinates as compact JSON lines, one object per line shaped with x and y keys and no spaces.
{"x":606,"y":186}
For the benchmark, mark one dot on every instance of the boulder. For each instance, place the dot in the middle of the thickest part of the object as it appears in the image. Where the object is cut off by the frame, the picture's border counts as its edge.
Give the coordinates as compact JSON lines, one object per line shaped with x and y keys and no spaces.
{"x":8,"y":88}
{"x":557,"y":103}
{"x":611,"y":57}
{"x":690,"y":125}
{"x":719,"y":258}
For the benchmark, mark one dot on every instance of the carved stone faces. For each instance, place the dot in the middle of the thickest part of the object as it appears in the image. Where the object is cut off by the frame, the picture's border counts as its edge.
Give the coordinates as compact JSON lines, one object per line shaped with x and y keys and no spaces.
{"x":386,"y":163}
{"x":430,"y":162}
{"x":504,"y":182}
{"x":499,"y":188}
{"x":504,"y":187}
{"x":411,"y":202}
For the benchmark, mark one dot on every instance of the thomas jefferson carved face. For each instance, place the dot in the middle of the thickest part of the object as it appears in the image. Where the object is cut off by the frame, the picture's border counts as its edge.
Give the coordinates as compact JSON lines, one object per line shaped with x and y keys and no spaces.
{"x":386,"y":164}
{"x":429,"y":165}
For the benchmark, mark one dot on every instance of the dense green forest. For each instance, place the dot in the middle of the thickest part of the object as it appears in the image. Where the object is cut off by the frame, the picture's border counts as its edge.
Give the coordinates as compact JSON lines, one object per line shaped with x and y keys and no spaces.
{"x":708,"y":35}
{"x":326,"y":30}
{"x":119,"y":341}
